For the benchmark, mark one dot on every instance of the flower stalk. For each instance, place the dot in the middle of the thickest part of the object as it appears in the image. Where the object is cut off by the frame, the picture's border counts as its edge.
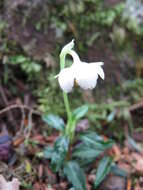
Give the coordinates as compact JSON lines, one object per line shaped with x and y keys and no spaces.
{"x":66,"y":103}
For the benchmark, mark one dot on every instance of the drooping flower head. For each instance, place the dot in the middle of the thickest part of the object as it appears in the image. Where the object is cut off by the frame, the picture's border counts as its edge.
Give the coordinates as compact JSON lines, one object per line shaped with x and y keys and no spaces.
{"x":81,"y":73}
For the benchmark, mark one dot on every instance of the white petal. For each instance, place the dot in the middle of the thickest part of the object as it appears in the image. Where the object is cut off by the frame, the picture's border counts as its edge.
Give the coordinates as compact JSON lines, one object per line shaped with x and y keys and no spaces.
{"x":85,"y":76}
{"x":66,"y":79}
{"x":75,"y":57}
{"x":98,"y":69}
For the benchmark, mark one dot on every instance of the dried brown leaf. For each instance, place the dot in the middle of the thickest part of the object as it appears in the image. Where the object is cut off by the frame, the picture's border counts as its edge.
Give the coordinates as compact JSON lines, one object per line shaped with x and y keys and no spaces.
{"x":137,"y":163}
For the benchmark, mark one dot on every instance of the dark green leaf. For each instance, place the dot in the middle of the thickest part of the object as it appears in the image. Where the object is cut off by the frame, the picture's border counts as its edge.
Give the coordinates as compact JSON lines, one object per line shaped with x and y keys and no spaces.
{"x":57,"y":153}
{"x":48,"y":152}
{"x":84,"y":152}
{"x":54,"y":121}
{"x":57,"y":161}
{"x":75,"y":175}
{"x":103,"y":170}
{"x":61,"y":144}
{"x":93,"y":140}
{"x":91,"y":135}
{"x":80,"y":112}
{"x":118,"y":171}
{"x":60,"y":151}
{"x":84,"y":163}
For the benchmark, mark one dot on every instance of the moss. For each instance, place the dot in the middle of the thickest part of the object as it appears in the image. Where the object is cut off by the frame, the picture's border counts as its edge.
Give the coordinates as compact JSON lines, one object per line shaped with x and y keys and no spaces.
{"x":88,"y":21}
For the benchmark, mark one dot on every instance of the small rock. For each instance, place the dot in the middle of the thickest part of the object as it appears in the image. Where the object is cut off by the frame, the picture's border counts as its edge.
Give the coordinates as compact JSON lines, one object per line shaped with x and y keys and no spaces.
{"x":5,"y":147}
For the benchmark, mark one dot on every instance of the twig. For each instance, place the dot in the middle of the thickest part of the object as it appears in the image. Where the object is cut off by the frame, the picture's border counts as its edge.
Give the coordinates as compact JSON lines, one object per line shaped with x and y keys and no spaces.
{"x":22,"y":120}
{"x":29,"y":128}
{"x":19,"y":106}
{"x":136,"y":106}
{"x":9,"y":114}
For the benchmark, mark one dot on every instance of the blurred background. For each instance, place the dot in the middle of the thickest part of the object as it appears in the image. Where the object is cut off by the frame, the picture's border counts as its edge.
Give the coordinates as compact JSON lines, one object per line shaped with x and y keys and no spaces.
{"x":32,"y":33}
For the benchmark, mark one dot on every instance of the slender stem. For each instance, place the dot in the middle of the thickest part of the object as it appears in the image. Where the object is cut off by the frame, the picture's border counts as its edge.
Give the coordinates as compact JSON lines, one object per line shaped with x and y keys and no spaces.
{"x":66,"y":101}
{"x":62,"y":61}
{"x":67,"y":105}
{"x":65,"y":96}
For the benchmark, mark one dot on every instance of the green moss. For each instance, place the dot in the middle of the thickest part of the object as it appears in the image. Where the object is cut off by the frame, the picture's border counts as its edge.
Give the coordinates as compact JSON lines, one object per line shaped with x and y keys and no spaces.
{"x":87,"y":21}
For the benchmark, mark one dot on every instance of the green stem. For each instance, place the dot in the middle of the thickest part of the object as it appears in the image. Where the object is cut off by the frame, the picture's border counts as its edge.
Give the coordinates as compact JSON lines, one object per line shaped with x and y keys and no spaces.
{"x":62,"y":61}
{"x":67,"y":105}
{"x":66,"y":101}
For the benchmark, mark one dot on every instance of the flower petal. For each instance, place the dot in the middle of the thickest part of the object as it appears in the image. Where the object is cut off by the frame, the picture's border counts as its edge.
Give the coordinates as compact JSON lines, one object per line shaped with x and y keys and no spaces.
{"x":76,"y":59}
{"x":98,"y":69}
{"x":85,"y":76}
{"x":66,"y":79}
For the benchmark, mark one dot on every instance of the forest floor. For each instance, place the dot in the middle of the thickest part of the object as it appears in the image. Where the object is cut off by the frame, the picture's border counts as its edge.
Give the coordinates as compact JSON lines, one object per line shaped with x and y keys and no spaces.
{"x":22,"y":140}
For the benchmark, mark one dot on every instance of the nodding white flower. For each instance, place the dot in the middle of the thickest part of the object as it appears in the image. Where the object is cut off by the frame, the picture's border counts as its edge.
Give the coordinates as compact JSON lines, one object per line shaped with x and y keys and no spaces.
{"x":81,"y":73}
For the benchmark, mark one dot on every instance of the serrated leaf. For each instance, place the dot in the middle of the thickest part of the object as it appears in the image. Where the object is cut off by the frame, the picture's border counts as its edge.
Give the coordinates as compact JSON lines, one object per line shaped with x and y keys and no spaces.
{"x":80,"y":112}
{"x":103,"y":170}
{"x":54,"y":121}
{"x":75,"y":175}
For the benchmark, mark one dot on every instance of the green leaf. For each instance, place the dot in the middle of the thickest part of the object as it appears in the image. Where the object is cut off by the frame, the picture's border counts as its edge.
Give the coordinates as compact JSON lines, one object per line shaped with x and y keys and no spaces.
{"x":103,"y":170}
{"x":80,"y":112}
{"x":75,"y":175}
{"x":91,"y":139}
{"x":48,"y":152}
{"x":61,"y":146}
{"x":118,"y":171}
{"x":17,"y":59}
{"x":90,"y":135}
{"x":54,"y":121}
{"x":57,"y":153}
{"x":133,"y":143}
{"x":84,"y":152}
{"x":57,"y":161}
{"x":111,"y":116}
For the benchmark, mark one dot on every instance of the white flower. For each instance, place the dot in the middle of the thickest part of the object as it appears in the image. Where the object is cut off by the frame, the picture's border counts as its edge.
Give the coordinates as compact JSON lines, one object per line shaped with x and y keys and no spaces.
{"x":81,"y":73}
